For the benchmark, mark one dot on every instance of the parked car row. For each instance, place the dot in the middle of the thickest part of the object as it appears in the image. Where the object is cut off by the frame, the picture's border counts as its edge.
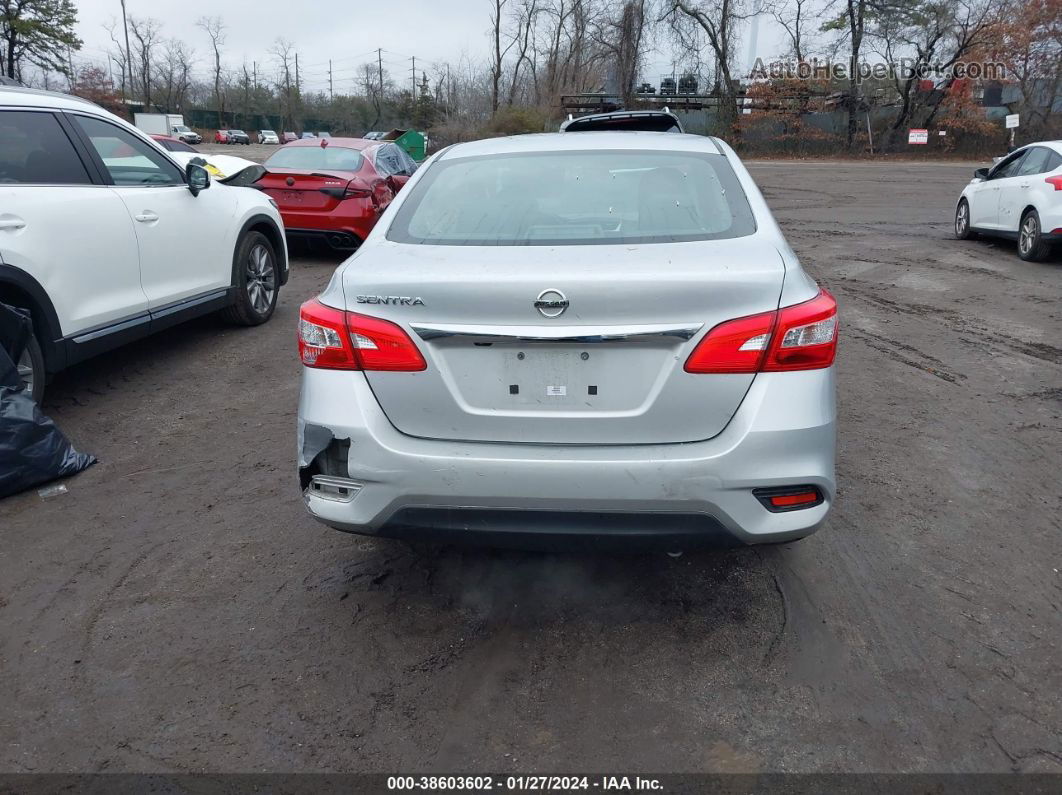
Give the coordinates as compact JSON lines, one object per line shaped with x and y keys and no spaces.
{"x":232,"y":137}
{"x":105,"y":236}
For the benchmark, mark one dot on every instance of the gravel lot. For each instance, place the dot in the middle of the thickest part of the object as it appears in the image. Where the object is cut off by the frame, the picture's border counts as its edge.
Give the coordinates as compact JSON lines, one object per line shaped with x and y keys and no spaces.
{"x":178,"y":611}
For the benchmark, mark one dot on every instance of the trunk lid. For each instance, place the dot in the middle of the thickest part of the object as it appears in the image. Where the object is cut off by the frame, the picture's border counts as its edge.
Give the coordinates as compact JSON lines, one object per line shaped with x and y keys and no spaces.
{"x":301,"y":190}
{"x":607,"y":369}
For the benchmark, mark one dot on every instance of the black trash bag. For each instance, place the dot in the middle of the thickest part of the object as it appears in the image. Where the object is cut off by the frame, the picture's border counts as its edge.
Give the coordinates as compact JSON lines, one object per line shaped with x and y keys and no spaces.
{"x":32,"y":450}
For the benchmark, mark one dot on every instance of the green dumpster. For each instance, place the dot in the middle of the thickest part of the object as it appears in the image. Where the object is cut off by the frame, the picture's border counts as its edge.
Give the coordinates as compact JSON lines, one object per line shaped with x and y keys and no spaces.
{"x":412,"y":141}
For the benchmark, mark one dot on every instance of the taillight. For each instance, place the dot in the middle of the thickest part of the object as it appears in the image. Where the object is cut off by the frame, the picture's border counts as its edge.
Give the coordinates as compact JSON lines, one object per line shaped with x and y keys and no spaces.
{"x":737,"y":346}
{"x":354,"y":192}
{"x":1055,"y":181}
{"x":800,"y":337}
{"x":332,"y":339}
{"x":805,"y":337}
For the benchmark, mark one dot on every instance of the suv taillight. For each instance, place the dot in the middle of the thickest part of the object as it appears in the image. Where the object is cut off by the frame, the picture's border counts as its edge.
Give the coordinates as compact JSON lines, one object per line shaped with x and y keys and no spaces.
{"x":799,"y":337}
{"x":332,"y":339}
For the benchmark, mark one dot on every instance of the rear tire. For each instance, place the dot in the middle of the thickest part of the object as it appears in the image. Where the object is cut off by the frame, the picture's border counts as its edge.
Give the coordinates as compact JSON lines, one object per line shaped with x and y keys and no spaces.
{"x":31,"y":368}
{"x":1031,"y":244}
{"x":256,"y":279}
{"x":962,"y":221}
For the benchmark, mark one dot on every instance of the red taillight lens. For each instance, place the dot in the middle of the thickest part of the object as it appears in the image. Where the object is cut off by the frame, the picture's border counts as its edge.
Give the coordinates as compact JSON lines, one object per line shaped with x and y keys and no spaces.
{"x":1055,"y":181}
{"x":382,"y":345}
{"x":331,"y":339}
{"x":737,"y":346}
{"x":805,"y":337}
{"x":800,"y":337}
{"x":323,"y":338}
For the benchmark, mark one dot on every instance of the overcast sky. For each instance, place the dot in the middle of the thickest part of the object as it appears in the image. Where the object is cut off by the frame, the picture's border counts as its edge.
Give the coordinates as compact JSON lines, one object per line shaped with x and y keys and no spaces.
{"x":345,"y":31}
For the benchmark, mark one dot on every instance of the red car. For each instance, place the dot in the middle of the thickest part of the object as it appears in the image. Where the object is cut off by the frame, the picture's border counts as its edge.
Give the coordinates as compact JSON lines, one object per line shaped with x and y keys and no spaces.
{"x":172,"y":144}
{"x":221,"y":137}
{"x":334,"y":189}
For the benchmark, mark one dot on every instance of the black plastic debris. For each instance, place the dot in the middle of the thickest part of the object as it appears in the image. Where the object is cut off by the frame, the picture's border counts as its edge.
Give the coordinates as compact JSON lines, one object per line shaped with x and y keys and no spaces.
{"x":32,"y":449}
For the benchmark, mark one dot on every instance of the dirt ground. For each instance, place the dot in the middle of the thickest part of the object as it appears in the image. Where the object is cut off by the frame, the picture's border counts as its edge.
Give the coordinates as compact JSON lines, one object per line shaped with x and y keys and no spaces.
{"x":177,"y":610}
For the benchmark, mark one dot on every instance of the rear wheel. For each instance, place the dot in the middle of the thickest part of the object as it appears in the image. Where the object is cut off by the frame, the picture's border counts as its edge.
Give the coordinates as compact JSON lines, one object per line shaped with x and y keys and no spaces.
{"x":31,"y":368}
{"x":256,"y":279}
{"x":962,"y":220}
{"x":1031,"y":244}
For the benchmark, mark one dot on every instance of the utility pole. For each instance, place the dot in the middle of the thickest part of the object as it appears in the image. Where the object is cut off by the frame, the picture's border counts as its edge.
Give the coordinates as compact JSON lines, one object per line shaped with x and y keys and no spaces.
{"x":254,"y":71}
{"x":297,"y":89}
{"x":414,"y":94}
{"x":128,"y":58}
{"x":379,"y":68}
{"x":330,"y":96}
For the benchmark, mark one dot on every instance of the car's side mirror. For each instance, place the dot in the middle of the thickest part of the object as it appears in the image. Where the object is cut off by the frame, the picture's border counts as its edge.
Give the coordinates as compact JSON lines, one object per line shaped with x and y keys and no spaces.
{"x":981,"y":173}
{"x":198,"y":178}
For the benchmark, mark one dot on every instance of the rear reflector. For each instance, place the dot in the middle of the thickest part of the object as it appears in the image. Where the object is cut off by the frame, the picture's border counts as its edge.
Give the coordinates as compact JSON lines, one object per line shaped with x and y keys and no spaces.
{"x":332,"y":339}
{"x":799,"y":337}
{"x":787,"y":498}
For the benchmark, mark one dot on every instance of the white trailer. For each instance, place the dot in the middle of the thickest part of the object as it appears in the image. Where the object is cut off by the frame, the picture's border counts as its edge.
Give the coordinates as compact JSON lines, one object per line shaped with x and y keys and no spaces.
{"x":171,"y":124}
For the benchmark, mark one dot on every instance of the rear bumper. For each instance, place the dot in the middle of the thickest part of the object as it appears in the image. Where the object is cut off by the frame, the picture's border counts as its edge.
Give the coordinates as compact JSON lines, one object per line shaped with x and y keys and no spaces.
{"x":782,"y":435}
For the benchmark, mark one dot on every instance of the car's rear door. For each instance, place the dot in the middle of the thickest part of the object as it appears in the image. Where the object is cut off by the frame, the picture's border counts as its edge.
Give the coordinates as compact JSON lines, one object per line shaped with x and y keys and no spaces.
{"x":985,"y":201}
{"x":72,"y":236}
{"x":1018,"y":192}
{"x":186,"y":242}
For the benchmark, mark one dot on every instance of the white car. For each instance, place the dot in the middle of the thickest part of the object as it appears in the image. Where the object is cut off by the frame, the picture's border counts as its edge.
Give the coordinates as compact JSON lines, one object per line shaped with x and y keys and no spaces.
{"x":220,"y":166}
{"x":268,"y":137}
{"x":105,"y":238}
{"x":1019,"y":198}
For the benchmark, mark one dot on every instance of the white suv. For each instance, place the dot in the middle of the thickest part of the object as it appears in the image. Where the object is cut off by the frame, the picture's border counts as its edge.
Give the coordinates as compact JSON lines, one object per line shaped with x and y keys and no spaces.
{"x":105,"y":238}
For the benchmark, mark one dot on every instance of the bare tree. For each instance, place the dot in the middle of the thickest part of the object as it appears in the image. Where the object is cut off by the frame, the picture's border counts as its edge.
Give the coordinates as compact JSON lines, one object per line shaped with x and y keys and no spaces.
{"x":851,"y":22}
{"x":283,"y":52}
{"x":926,"y":34}
{"x":525,"y":20}
{"x":499,"y":53}
{"x":214,"y":27}
{"x":718,"y":20}
{"x":146,"y":35}
{"x":796,"y":18}
{"x":620,"y":34}
{"x":173,"y":76}
{"x":118,"y":55}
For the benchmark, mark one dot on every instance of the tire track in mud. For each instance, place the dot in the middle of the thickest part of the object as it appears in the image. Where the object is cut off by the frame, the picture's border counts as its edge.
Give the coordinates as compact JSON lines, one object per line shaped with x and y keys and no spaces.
{"x":959,"y":323}
{"x":499,"y":615}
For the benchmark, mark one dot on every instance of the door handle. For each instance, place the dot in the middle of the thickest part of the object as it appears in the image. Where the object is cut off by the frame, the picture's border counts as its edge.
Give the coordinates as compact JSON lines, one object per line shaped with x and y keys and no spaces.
{"x":12,"y":223}
{"x":146,"y":217}
{"x":1025,"y":184}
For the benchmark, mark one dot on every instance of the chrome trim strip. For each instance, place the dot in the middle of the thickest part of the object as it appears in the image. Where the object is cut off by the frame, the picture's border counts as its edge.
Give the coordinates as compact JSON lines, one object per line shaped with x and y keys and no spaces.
{"x":565,"y":334}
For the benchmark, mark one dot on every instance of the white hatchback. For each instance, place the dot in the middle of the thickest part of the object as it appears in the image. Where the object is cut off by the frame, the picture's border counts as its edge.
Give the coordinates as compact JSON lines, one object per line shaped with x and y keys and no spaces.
{"x":105,"y":238}
{"x":1019,"y":198}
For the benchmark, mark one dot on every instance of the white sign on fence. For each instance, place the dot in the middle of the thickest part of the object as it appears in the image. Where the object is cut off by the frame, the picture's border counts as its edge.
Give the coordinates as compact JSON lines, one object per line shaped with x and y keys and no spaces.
{"x":917,"y":136}
{"x":1012,"y":121}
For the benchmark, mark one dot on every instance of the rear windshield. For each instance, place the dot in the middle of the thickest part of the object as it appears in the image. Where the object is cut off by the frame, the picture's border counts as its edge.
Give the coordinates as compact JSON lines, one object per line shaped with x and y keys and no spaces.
{"x":575,"y":198}
{"x":316,"y":157}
